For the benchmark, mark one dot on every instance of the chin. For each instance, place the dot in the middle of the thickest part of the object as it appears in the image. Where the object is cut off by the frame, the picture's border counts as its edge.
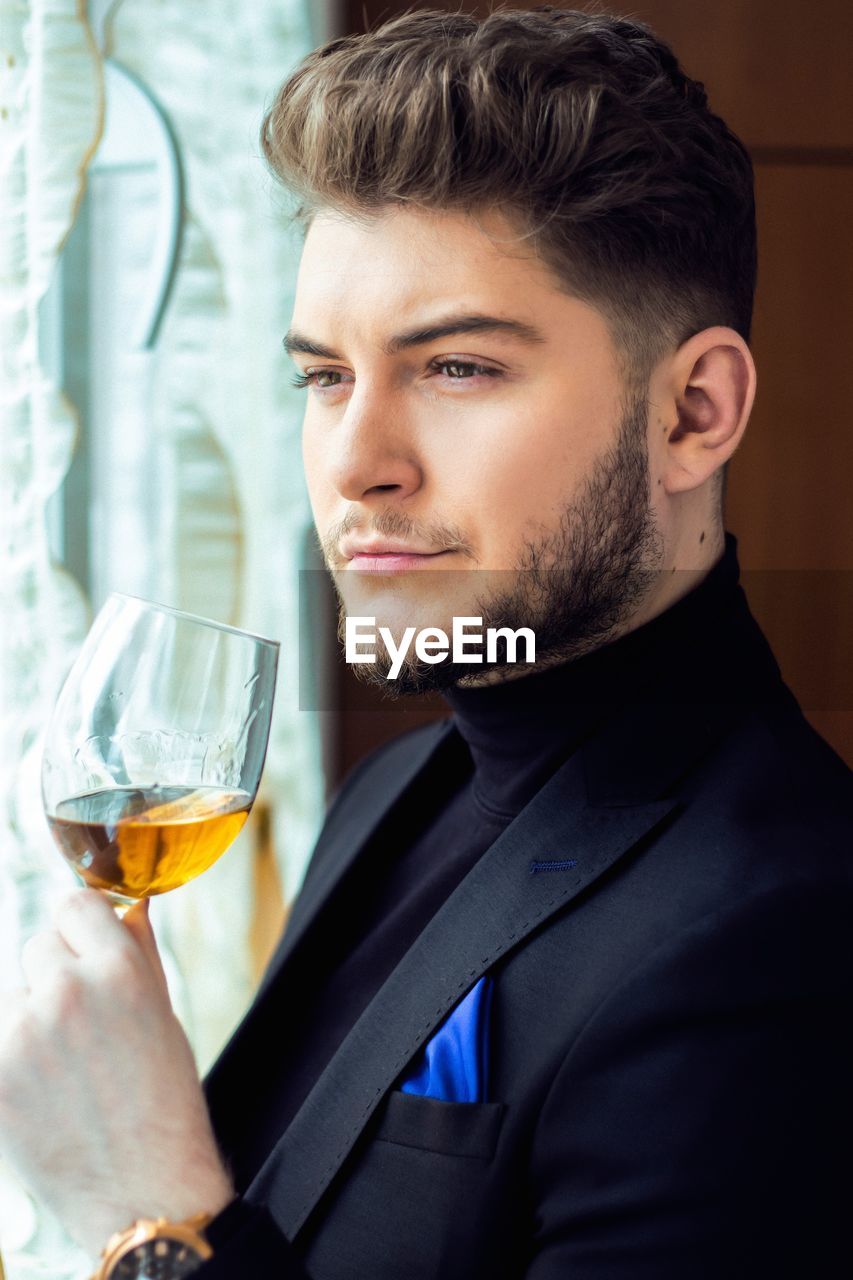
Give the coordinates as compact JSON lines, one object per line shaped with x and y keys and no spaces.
{"x":418,"y":600}
{"x":396,"y":615}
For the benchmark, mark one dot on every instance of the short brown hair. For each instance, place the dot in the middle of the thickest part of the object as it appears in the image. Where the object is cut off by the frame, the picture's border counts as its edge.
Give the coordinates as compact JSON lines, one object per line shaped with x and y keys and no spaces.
{"x":580,"y":127}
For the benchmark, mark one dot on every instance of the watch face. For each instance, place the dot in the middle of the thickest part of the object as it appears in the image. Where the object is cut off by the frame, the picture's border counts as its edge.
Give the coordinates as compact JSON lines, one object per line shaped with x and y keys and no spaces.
{"x":157,"y":1260}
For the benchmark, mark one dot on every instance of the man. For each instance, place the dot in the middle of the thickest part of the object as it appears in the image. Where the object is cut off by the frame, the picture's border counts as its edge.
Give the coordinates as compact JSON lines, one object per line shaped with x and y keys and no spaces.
{"x":567,"y":989}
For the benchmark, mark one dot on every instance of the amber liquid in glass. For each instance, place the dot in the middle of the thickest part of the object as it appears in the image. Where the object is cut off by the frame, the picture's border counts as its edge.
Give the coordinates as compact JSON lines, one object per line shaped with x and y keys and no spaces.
{"x":135,"y":842}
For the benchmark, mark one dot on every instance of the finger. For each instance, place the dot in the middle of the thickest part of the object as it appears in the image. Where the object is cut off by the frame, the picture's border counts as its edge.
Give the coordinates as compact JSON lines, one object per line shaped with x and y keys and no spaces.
{"x":42,"y":957}
{"x":138,"y":923}
{"x":88,"y":924}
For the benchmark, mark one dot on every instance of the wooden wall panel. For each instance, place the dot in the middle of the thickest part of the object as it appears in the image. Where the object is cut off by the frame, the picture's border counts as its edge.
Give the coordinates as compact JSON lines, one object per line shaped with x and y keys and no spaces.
{"x":789,"y":496}
{"x":779,"y":69}
{"x":780,"y":73}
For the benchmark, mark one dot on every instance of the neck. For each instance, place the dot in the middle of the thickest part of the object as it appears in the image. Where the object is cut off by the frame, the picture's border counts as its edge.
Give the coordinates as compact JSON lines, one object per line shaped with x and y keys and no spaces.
{"x":519,"y":730}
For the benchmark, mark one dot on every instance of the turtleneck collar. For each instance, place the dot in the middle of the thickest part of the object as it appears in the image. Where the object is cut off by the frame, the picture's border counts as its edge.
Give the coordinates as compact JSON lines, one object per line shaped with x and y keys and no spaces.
{"x":519,"y":731}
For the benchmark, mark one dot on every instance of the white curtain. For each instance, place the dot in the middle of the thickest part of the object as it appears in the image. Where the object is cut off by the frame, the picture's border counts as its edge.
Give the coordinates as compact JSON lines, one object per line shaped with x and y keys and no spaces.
{"x":185,"y":420}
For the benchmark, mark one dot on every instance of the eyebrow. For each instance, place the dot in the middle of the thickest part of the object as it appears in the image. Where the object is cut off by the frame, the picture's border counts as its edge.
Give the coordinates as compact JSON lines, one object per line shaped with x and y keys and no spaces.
{"x":294,"y":341}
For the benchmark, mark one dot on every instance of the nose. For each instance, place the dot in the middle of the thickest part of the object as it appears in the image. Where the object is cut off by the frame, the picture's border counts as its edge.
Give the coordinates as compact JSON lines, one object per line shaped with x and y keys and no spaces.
{"x":371,"y":451}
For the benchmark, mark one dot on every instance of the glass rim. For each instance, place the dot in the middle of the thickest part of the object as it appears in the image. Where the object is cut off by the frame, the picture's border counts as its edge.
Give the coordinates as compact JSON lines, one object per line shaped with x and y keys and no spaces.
{"x":195,"y":617}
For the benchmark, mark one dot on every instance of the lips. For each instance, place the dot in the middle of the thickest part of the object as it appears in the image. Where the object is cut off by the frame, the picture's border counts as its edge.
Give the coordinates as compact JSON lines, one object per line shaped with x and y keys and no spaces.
{"x":387,"y":555}
{"x":351,"y":547}
{"x":392,"y":561}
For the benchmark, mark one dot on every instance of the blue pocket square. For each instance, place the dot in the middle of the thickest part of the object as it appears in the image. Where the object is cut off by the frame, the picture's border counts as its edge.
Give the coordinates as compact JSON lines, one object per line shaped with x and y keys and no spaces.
{"x":453,"y":1066}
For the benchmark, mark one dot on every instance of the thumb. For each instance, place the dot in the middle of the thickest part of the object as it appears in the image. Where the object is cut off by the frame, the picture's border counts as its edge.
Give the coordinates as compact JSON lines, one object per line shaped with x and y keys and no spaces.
{"x":138,"y":923}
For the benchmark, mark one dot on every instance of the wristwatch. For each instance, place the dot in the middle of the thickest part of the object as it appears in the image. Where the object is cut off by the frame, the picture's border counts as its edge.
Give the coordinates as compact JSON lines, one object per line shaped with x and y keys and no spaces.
{"x":156,"y":1249}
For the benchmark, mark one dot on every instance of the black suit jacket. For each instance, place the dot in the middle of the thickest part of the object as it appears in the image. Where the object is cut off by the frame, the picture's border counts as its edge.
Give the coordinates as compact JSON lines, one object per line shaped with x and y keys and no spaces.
{"x":672,"y":1065}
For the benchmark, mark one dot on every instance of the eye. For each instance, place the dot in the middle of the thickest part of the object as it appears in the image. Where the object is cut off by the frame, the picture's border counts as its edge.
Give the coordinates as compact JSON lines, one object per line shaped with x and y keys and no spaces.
{"x":464,"y":370}
{"x":318,"y":378}
{"x":452,"y":370}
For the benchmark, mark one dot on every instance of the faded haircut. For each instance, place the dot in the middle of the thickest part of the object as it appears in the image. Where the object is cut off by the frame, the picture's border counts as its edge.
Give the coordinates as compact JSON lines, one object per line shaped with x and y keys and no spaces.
{"x":581,"y":128}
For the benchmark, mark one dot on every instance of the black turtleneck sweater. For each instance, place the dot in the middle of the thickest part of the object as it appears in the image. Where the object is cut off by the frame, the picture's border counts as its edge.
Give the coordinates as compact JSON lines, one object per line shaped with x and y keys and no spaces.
{"x":512,"y":737}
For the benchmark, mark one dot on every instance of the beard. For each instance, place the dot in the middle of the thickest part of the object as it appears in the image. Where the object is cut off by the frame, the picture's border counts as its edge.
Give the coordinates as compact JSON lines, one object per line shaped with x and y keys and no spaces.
{"x":575,"y":586}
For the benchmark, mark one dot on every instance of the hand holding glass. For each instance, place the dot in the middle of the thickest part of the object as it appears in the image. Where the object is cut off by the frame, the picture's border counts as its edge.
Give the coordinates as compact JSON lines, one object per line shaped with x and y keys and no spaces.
{"x":155,"y":750}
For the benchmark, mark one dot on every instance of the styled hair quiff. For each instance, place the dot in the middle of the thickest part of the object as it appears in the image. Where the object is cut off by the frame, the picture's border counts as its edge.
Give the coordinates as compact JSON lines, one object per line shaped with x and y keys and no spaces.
{"x":580,"y":128}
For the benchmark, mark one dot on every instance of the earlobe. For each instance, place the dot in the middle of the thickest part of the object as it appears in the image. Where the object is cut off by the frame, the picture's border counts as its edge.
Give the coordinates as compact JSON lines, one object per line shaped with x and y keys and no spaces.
{"x":713,"y":397}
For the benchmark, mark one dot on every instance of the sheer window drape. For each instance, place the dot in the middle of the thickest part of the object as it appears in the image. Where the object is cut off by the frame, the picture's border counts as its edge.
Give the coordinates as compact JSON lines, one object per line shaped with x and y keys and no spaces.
{"x":149,"y":437}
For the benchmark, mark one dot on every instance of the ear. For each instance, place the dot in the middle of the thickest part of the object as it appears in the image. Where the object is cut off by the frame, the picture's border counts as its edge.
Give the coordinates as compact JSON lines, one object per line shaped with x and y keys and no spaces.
{"x":711,"y":388}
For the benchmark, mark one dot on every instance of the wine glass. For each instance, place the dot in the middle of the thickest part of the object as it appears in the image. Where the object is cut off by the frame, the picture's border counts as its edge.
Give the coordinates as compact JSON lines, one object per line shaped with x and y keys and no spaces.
{"x":154,"y":752}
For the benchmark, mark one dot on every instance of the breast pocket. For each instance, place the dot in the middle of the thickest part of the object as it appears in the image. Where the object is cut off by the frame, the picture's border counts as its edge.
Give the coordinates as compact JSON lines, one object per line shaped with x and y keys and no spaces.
{"x":469,"y":1129}
{"x":419,"y":1198}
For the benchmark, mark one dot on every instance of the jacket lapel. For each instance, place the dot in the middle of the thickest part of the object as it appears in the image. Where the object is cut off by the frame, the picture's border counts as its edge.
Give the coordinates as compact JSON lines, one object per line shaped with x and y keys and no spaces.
{"x":495,"y":907}
{"x":339,"y":847}
{"x":337,"y":850}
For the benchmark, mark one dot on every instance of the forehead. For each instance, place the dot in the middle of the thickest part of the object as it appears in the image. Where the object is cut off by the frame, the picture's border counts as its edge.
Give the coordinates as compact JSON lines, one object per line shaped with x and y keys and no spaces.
{"x":408,"y":263}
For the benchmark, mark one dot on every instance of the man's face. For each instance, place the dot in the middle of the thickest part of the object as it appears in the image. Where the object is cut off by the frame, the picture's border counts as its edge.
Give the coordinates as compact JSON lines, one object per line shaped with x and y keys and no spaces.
{"x":503,"y":457}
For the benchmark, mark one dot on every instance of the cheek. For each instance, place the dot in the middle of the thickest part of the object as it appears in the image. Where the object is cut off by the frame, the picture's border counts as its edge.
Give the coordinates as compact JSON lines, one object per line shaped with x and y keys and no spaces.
{"x":310,"y":454}
{"x":524,"y":475}
{"x":315,"y":467}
